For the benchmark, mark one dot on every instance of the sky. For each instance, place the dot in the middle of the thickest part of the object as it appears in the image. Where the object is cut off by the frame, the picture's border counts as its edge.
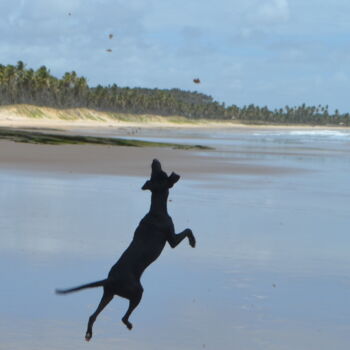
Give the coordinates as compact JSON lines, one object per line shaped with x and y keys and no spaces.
{"x":266,"y":52}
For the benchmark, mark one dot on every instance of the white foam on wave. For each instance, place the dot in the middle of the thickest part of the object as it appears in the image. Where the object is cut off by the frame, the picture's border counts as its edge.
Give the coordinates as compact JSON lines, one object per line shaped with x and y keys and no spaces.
{"x":336,"y":133}
{"x":312,"y":133}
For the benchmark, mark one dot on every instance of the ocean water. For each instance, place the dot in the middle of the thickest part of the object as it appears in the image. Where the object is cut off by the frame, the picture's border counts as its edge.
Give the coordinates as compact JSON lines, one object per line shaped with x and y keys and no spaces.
{"x":271,"y":269}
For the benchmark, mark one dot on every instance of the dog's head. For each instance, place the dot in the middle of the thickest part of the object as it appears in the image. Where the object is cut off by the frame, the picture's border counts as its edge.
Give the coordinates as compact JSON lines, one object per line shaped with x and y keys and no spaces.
{"x":159,"y":180}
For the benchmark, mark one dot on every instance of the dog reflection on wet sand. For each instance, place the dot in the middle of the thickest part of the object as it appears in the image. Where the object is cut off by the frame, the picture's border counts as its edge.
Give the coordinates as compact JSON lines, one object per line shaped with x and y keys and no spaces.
{"x":150,"y":237}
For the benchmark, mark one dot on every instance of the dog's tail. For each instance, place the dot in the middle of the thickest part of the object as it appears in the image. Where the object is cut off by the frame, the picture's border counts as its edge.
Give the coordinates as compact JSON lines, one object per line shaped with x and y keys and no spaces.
{"x":84,"y":286}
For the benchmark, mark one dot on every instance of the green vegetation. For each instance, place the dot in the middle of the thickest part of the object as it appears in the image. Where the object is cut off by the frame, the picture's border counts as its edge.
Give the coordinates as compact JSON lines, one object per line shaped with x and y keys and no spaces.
{"x":19,"y":85}
{"x":18,"y":135}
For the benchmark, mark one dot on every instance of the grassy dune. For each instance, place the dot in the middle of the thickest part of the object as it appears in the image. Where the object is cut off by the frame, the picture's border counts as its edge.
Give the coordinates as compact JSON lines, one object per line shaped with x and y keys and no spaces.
{"x":37,"y":113}
{"x":21,"y":115}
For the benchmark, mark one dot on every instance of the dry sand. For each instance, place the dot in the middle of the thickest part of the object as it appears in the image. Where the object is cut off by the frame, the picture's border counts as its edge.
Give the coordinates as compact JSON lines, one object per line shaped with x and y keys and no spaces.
{"x":19,"y":116}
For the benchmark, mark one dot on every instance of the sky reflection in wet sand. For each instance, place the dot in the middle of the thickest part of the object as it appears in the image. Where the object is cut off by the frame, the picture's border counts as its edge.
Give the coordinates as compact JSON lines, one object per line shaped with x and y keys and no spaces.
{"x":271,"y":270}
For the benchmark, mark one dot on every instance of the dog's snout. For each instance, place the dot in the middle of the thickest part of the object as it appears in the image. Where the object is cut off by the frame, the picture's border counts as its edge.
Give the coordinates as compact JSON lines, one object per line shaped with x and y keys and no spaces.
{"x":156,"y":165}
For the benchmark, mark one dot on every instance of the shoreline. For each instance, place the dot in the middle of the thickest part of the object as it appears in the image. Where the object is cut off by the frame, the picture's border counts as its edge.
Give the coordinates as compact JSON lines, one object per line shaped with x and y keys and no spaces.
{"x":94,"y":159}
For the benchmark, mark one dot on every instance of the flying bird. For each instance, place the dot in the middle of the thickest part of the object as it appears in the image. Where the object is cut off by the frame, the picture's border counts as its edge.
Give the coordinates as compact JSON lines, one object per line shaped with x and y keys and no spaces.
{"x":110,"y":36}
{"x":109,"y":50}
{"x":196,"y":81}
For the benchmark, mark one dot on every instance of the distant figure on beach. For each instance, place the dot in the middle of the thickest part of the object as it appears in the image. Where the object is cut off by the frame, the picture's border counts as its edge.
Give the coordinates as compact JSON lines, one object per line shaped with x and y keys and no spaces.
{"x":150,"y":237}
{"x":196,"y":81}
{"x":110,"y":36}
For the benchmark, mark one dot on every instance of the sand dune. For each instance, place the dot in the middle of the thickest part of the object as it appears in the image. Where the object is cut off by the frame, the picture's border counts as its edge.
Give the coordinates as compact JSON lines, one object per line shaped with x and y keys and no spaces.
{"x":45,"y":117}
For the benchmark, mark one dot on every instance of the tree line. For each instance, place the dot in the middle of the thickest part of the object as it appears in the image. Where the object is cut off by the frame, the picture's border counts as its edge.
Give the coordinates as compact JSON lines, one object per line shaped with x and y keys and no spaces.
{"x":21,"y":85}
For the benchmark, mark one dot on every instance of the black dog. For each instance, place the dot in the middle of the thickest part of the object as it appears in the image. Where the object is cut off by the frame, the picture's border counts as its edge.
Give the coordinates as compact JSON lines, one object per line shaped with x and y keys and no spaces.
{"x":150,"y":237}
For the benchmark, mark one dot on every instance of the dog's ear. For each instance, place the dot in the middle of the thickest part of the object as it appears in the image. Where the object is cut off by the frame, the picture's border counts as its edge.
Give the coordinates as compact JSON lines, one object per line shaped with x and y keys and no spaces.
{"x":147,"y":185}
{"x":172,"y":179}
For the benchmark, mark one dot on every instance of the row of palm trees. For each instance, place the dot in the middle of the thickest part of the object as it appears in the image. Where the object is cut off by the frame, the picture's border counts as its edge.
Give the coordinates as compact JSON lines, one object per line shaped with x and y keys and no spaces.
{"x":314,"y":115}
{"x":19,"y":85}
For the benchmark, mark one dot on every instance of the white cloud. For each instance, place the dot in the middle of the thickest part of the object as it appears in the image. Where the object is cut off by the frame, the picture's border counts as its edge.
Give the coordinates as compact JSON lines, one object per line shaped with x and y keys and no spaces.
{"x":273,"y":11}
{"x":341,"y":77}
{"x":262,"y":19}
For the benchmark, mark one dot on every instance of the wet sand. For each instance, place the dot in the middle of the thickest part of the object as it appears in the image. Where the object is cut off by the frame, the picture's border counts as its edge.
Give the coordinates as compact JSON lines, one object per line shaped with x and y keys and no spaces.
{"x":270,"y":270}
{"x":119,"y":160}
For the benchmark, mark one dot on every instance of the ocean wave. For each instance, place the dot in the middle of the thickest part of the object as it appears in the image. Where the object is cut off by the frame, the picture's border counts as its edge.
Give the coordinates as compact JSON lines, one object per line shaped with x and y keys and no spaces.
{"x":308,"y":133}
{"x":331,"y":133}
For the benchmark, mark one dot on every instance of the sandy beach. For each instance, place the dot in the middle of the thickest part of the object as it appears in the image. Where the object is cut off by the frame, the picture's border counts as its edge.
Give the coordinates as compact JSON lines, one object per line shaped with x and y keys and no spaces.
{"x":91,"y":159}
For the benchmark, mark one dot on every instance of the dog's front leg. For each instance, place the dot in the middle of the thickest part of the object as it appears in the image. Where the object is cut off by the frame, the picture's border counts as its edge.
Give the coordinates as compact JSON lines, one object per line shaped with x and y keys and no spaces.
{"x":175,"y":238}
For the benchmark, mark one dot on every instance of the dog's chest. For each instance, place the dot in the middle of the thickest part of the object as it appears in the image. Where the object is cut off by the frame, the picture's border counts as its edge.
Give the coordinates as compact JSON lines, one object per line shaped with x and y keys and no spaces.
{"x":156,"y":224}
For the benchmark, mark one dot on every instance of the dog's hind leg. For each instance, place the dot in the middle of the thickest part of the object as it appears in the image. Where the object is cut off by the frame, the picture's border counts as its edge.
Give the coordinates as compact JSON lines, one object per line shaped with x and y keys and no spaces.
{"x":134,"y":300}
{"x":106,"y":298}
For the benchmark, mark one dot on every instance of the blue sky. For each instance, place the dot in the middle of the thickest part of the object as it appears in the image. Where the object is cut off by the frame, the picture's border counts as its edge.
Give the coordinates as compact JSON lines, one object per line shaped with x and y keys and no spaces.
{"x":266,"y":52}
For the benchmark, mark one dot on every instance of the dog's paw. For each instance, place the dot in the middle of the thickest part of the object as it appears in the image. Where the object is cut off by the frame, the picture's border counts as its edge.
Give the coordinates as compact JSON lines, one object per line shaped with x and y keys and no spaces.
{"x":88,"y":336}
{"x":127,"y":324}
{"x":191,"y":239}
